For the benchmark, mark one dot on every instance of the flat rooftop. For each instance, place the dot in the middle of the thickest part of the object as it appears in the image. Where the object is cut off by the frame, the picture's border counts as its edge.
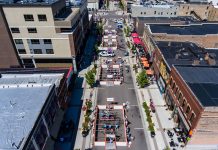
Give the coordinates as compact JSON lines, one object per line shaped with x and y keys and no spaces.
{"x":182,"y":53}
{"x":189,"y":29}
{"x":22,"y":98}
{"x":28,"y":2}
{"x":203,"y":81}
{"x":167,"y":20}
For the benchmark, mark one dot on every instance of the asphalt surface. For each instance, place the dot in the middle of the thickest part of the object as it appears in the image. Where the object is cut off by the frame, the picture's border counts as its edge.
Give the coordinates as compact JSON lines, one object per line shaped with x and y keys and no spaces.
{"x":122,"y":94}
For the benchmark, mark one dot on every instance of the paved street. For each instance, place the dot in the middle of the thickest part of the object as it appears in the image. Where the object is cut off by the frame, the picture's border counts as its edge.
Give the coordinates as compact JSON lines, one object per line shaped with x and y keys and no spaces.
{"x":122,"y":94}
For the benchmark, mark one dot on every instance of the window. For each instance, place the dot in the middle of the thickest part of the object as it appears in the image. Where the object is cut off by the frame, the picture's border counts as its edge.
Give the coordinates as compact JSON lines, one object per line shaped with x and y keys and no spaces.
{"x":161,"y":13}
{"x":42,"y":18}
{"x":35,"y":41}
{"x":144,"y":13}
{"x":176,"y":90}
{"x":173,"y":86}
{"x":15,"y":30}
{"x":49,"y":51}
{"x":155,"y":12}
{"x":187,"y":110}
{"x":28,"y":18}
{"x":32,"y":30}
{"x":183,"y":103}
{"x":18,"y":41}
{"x":192,"y":117}
{"x":174,"y":13}
{"x":47,"y":41}
{"x":37,"y":51}
{"x":141,"y":13}
{"x":179,"y":98}
{"x":170,"y":81}
{"x":21,"y":51}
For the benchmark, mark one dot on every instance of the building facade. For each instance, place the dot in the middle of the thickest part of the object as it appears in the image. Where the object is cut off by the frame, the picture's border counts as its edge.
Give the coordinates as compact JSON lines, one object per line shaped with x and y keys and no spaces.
{"x":8,"y":54}
{"x":93,"y":5}
{"x":193,"y":105}
{"x":157,"y":10}
{"x":47,"y":92}
{"x":47,"y":34}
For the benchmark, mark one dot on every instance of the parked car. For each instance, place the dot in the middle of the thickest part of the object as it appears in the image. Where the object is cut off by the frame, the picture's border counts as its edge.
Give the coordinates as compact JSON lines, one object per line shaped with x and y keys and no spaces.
{"x":106,"y":54}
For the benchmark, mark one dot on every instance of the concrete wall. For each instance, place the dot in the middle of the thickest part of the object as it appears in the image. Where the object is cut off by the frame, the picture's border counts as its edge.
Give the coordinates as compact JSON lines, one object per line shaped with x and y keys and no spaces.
{"x":8,"y":56}
{"x":157,"y":11}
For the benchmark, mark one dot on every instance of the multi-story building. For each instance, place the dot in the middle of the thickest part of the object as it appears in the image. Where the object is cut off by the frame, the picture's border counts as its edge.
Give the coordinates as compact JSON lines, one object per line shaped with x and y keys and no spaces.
{"x":47,"y":33}
{"x":8,"y":54}
{"x":93,"y":5}
{"x":168,"y":53}
{"x":192,"y":95}
{"x":31,"y":102}
{"x":204,"y":34}
{"x":150,"y":9}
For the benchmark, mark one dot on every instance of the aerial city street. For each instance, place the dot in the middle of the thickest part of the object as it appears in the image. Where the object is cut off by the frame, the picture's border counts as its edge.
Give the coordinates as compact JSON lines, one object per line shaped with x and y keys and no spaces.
{"x":108,"y":75}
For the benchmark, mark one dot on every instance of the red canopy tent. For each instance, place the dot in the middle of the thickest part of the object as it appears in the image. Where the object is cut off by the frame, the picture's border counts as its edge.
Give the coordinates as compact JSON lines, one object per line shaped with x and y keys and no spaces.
{"x":137,"y":41}
{"x":134,"y":35}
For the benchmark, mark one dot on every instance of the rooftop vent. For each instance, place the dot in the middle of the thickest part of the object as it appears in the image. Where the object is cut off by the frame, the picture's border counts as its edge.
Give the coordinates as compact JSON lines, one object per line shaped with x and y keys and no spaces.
{"x":210,"y":59}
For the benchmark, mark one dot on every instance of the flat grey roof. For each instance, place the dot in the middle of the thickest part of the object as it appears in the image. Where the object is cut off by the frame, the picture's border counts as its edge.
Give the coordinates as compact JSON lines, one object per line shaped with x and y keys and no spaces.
{"x":203,"y":81}
{"x":22,"y":98}
{"x":190,"y":29}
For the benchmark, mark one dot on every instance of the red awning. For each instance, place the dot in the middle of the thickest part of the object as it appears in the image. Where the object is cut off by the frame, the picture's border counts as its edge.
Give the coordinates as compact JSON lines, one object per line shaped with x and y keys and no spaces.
{"x":134,"y":35}
{"x":137,"y":40}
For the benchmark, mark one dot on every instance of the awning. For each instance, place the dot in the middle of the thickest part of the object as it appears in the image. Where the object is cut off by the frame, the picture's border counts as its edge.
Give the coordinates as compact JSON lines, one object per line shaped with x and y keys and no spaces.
{"x":145,"y":65}
{"x":134,"y":35}
{"x":143,"y":59}
{"x":137,"y":40}
{"x":149,"y":72}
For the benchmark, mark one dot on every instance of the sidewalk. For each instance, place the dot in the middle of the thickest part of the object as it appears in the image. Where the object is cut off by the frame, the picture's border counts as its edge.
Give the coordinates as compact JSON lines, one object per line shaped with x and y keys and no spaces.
{"x":160,"y":118}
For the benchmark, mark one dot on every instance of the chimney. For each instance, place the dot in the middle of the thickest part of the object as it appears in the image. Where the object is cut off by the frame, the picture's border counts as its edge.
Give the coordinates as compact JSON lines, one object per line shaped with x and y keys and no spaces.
{"x":196,"y":62}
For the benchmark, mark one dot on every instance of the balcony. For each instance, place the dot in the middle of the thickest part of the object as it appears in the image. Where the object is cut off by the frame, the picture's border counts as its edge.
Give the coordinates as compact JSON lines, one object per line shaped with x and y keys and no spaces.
{"x":68,"y":18}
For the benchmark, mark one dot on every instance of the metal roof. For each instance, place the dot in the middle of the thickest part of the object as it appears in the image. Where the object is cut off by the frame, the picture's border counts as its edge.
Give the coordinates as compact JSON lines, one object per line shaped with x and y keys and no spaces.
{"x":22,"y":97}
{"x":189,"y":29}
{"x":203,"y":81}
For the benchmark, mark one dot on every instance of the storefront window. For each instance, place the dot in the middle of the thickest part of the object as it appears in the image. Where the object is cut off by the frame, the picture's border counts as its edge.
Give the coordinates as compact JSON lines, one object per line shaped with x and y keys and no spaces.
{"x":173,"y":86}
{"x":176,"y":91}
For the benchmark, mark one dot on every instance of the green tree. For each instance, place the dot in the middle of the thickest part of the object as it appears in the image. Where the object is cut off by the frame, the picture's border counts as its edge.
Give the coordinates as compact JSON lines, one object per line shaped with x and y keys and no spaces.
{"x":107,"y":3}
{"x":90,"y":78}
{"x":121,"y":5}
{"x":142,"y":79}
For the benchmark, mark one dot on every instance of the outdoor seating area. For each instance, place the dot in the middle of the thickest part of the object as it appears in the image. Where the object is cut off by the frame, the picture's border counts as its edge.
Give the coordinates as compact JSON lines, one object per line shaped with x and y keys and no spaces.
{"x":111,"y":72}
{"x":110,"y":129}
{"x":176,"y":137}
{"x":109,"y":40}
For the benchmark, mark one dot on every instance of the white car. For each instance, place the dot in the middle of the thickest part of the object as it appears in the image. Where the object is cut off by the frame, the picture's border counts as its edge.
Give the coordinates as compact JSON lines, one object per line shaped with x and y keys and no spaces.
{"x":106,"y":54}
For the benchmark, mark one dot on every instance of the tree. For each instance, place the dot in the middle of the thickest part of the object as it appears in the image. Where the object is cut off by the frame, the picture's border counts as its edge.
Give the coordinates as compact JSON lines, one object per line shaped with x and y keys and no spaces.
{"x":107,"y":3}
{"x":96,"y":49}
{"x":90,"y":78}
{"x":142,"y":79}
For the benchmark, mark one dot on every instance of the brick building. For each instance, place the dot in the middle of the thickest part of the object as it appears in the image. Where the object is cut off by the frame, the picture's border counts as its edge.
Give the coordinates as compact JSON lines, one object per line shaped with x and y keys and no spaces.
{"x":192,"y":95}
